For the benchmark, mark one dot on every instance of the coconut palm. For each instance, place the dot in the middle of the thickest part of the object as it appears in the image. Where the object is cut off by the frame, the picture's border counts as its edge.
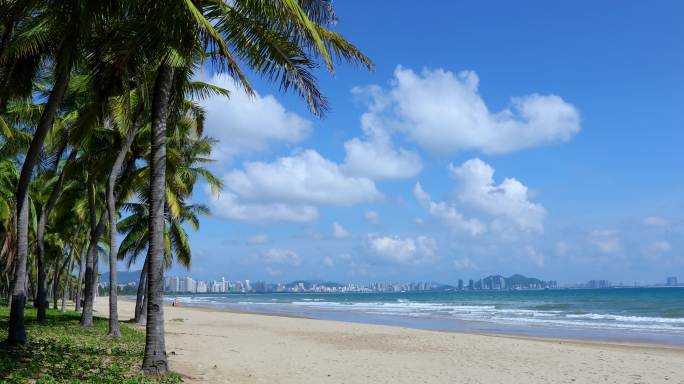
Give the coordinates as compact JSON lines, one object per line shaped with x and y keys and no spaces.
{"x":55,"y":36}
{"x":279,"y":39}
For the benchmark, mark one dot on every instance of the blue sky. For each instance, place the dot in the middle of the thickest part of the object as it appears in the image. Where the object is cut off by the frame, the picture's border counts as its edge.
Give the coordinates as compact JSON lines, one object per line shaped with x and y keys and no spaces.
{"x":492,"y":137}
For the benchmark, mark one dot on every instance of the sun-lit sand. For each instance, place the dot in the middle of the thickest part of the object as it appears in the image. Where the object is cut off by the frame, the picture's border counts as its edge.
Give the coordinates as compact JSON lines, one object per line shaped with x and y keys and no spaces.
{"x":212,"y":346}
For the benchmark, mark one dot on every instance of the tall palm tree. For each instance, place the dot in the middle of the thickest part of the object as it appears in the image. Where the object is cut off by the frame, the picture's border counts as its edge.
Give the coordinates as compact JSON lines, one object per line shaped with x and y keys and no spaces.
{"x":55,"y":36}
{"x":279,"y":39}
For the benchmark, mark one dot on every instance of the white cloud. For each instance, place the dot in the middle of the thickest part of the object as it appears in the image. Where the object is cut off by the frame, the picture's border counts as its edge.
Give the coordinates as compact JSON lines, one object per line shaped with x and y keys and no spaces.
{"x":418,"y":221}
{"x":657,"y":248}
{"x":257,"y":239}
{"x":408,"y":250}
{"x":507,"y":202}
{"x":281,"y":256}
{"x":504,"y":208}
{"x":447,"y":213}
{"x":339,"y":232}
{"x":328,"y":261}
{"x":229,"y":205}
{"x":305,"y":178}
{"x":290,"y":189}
{"x":372,"y":217}
{"x":376,"y":156}
{"x":656,"y":221}
{"x":606,"y":240}
{"x":245,"y":124}
{"x":444,"y":113}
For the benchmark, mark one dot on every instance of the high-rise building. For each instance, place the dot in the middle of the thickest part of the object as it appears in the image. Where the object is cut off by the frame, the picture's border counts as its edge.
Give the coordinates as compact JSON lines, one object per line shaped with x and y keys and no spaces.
{"x":201,"y":286}
{"x":171,"y":284}
{"x":671,"y":281}
{"x":598,"y":284}
{"x":460,"y":284}
{"x":471,"y":284}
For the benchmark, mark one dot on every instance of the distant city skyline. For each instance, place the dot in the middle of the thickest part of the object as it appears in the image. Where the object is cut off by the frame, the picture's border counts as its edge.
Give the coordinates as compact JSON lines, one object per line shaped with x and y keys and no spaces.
{"x":188,"y":284}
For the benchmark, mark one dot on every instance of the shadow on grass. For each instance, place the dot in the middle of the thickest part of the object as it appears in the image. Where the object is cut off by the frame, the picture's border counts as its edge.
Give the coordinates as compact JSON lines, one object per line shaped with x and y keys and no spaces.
{"x":61,"y":351}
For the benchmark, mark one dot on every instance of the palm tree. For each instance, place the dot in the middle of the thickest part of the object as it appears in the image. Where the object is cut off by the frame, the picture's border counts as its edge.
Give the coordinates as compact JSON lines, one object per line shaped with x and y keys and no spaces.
{"x":187,"y":153}
{"x":279,"y":39}
{"x":55,"y":36}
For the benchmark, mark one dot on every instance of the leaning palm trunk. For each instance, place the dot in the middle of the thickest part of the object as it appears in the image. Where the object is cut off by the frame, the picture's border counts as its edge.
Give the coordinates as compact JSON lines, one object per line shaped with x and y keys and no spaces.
{"x":111,"y":208}
{"x":154,"y":362}
{"x":91,"y":273}
{"x":65,"y":290}
{"x":55,"y":281}
{"x":81,"y":274}
{"x":17,"y":327}
{"x":142,"y":287}
{"x":143,"y":307}
{"x":40,"y":234}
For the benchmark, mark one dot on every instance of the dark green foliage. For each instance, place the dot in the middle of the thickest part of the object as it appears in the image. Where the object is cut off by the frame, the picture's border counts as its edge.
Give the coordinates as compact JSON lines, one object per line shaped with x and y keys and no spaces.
{"x":61,"y":351}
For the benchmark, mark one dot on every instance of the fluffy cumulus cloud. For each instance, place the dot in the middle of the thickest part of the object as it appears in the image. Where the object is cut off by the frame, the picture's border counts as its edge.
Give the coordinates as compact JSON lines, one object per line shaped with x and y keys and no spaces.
{"x":403,"y":250}
{"x":508,"y":202}
{"x":290,"y":189}
{"x":502,"y":208}
{"x":447,"y":213}
{"x":443,"y":112}
{"x":281,"y":257}
{"x":245,"y":123}
{"x":376,"y":157}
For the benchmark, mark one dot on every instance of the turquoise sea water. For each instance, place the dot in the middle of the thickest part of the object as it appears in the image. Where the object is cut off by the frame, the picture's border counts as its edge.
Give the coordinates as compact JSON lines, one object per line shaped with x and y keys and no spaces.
{"x":628,"y":314}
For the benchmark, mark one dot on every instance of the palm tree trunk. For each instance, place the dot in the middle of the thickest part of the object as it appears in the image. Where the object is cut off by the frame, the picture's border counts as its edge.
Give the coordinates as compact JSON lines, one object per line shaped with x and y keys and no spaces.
{"x":17,"y":331}
{"x":143,"y":309}
{"x":40,"y":233}
{"x":81,"y":273}
{"x":111,"y":208}
{"x":55,"y":282}
{"x":91,"y":273}
{"x":65,"y":290}
{"x":154,"y":362}
{"x":142,"y":285}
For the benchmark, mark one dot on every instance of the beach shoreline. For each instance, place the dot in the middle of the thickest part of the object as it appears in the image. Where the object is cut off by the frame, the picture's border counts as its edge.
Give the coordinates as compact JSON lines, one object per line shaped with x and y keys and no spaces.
{"x":215,"y":345}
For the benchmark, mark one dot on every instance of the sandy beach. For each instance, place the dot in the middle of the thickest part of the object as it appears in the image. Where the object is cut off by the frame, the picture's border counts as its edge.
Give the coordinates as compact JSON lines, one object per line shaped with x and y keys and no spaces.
{"x":213,"y":346}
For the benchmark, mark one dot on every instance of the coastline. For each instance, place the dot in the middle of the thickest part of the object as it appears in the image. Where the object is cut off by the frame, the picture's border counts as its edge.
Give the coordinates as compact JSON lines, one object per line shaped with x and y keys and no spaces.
{"x":576,"y":318}
{"x":214,"y":345}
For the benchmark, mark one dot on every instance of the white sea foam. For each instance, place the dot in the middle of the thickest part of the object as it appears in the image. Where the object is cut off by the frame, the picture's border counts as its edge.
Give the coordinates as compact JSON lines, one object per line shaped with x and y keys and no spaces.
{"x":504,"y":315}
{"x":463,"y":311}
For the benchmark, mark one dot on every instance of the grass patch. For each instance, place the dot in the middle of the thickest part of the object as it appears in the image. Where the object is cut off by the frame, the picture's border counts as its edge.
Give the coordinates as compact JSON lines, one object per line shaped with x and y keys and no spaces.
{"x":61,"y":351}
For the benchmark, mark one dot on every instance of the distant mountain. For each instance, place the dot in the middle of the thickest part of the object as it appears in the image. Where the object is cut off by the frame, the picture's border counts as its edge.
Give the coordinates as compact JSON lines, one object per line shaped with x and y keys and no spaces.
{"x":523,"y":281}
{"x":122,"y":277}
{"x":512,"y":282}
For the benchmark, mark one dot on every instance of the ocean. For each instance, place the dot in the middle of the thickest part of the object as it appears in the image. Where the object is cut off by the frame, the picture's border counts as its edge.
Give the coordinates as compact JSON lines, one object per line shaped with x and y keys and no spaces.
{"x":654,"y":315}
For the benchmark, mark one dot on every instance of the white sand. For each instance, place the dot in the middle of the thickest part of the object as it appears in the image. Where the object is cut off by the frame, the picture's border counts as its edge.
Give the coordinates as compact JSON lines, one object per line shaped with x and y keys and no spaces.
{"x":211,"y":346}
